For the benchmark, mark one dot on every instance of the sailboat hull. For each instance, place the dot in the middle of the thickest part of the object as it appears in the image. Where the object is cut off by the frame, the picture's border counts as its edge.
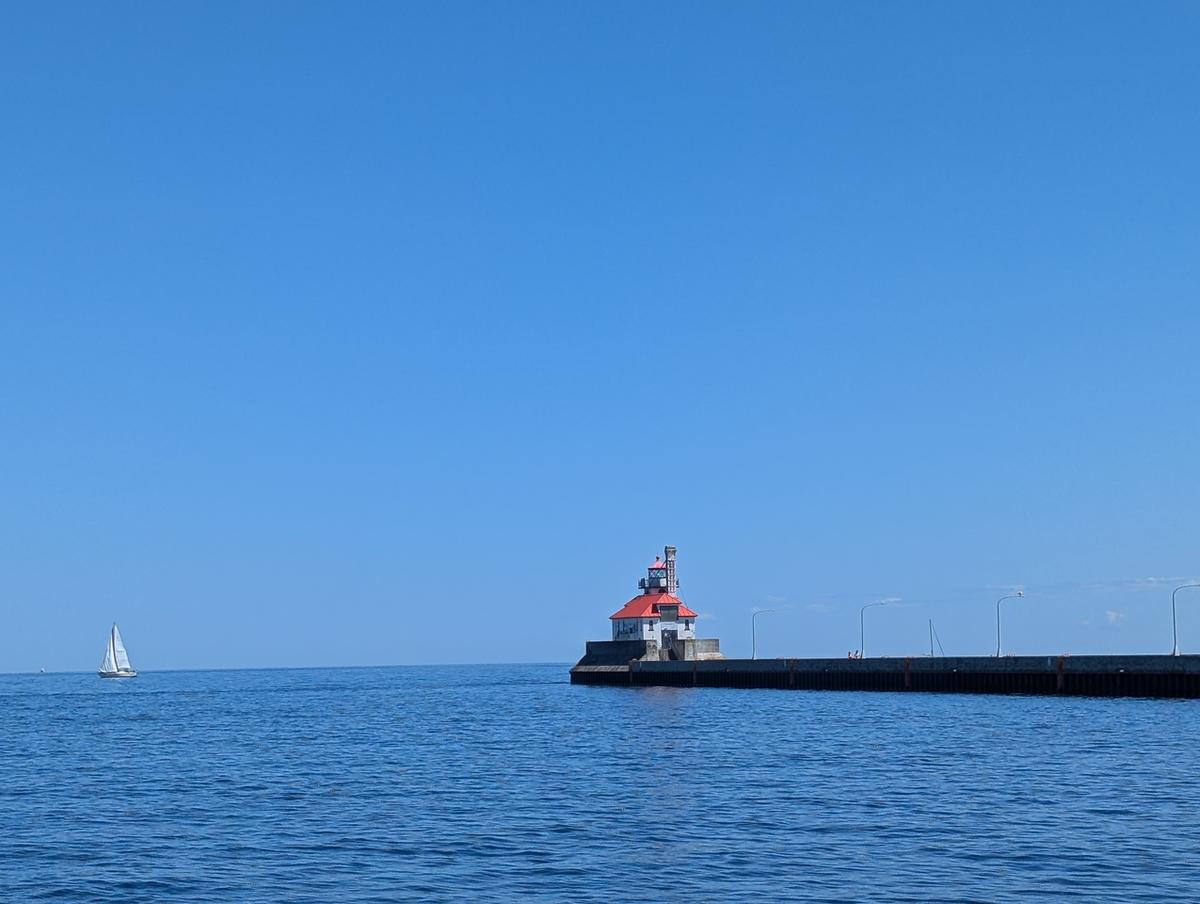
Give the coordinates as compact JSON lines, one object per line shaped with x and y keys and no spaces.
{"x":129,"y":674}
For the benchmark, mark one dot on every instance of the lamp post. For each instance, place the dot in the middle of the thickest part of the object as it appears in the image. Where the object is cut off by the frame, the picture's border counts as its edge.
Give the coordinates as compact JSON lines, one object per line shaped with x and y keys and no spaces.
{"x":1012,"y":596}
{"x":862,"y":634}
{"x":753,"y":632}
{"x":1174,"y":622}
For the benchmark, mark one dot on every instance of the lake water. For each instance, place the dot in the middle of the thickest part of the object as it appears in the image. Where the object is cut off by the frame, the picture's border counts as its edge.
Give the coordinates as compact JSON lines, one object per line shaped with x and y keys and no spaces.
{"x":507,"y":783}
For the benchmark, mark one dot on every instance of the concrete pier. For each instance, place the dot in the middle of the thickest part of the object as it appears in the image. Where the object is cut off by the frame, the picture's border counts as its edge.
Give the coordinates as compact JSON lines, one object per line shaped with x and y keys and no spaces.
{"x":1097,"y":676}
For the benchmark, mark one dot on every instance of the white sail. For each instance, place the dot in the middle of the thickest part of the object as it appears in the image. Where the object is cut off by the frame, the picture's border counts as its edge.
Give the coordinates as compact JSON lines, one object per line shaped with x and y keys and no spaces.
{"x":110,"y":659}
{"x":119,"y":651}
{"x":116,"y":660}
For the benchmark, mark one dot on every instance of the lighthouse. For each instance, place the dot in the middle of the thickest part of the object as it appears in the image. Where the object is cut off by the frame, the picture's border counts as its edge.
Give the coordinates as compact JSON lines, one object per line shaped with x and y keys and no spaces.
{"x":654,"y":625}
{"x":657,"y":613}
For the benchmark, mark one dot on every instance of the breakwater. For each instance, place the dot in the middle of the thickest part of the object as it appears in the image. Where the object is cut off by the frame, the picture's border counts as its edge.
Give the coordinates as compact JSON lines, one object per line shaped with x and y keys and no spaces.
{"x":1102,"y":676}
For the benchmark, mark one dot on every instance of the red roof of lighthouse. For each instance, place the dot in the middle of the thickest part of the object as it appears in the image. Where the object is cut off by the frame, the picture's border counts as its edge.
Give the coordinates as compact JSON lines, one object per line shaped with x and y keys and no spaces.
{"x":646,"y":606}
{"x":658,"y":563}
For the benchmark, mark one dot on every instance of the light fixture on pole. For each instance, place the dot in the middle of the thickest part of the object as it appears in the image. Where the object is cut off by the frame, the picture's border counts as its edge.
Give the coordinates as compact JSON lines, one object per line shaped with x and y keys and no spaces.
{"x":1174,"y":622}
{"x":862,"y":634}
{"x":753,"y":633}
{"x":1012,"y":596}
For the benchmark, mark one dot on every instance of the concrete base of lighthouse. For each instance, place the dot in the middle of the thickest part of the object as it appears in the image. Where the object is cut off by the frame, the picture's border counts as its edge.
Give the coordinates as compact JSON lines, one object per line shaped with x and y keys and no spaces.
{"x":623,"y":652}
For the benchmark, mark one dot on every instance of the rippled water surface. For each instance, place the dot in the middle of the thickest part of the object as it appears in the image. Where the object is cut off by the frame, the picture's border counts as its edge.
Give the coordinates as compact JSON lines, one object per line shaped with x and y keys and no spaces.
{"x":506,"y":783}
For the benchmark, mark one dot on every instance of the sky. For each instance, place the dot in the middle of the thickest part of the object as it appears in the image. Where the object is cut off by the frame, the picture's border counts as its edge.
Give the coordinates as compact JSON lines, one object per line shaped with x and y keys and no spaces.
{"x":379,"y":333}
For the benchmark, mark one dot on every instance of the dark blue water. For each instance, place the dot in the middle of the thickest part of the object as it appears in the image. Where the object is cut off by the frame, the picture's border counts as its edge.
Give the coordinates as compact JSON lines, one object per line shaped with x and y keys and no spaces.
{"x":507,"y":783}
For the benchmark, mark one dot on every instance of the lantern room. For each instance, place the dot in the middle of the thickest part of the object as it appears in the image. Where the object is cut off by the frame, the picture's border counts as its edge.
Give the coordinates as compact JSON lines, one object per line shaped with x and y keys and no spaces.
{"x":656,"y":577}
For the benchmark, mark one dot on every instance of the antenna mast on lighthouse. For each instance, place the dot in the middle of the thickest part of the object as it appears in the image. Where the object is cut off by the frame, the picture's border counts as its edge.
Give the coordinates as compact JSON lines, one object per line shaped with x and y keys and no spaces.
{"x":672,"y":580}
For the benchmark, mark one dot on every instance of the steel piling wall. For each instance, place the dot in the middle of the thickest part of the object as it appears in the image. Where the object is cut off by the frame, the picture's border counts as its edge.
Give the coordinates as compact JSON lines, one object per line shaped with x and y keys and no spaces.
{"x":1098,"y":676}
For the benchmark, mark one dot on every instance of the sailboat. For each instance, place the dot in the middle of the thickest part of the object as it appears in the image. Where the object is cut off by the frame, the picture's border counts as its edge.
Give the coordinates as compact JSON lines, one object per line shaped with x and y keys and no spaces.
{"x":116,"y":660}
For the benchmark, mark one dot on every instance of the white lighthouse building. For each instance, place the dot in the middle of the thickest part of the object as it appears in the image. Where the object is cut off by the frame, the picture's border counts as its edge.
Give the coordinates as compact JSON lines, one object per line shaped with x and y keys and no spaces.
{"x":656,"y":613}
{"x":654,"y":625}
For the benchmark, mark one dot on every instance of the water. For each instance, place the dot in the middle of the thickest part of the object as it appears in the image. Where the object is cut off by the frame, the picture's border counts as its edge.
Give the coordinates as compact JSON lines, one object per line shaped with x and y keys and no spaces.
{"x":505,"y":783}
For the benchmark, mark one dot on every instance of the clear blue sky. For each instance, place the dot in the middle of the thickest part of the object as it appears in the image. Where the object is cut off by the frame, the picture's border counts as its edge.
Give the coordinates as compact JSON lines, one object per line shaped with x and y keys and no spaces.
{"x":404,"y":333}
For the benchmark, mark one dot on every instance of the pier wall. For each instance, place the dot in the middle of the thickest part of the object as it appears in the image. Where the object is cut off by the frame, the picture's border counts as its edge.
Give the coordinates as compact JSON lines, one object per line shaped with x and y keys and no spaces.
{"x":606,"y":653}
{"x":600,"y":653}
{"x":1105,"y":676}
{"x":698,"y":648}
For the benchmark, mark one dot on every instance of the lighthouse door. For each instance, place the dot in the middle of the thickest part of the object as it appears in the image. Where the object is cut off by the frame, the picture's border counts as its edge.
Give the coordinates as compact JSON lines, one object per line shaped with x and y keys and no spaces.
{"x":668,"y":642}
